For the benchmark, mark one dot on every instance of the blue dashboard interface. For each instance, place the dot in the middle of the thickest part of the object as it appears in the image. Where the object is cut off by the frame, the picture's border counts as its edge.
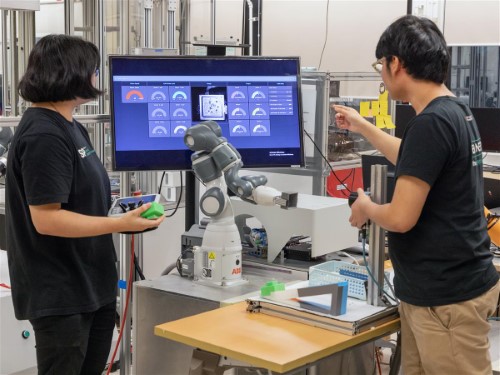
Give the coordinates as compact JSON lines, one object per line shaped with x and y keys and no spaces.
{"x":254,"y":100}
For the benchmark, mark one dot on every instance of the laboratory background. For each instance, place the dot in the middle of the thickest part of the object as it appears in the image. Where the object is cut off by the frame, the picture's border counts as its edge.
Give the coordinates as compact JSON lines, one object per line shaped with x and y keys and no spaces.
{"x":164,"y":69}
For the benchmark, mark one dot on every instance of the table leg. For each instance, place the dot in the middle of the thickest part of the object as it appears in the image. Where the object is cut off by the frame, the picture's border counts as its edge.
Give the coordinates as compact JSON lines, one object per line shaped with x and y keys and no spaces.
{"x":396,"y":357}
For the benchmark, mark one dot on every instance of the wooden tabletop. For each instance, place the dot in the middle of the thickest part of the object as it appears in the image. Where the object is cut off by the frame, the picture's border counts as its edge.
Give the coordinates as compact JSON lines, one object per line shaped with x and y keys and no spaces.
{"x":261,"y":340}
{"x":496,"y":263}
{"x":494,"y":176}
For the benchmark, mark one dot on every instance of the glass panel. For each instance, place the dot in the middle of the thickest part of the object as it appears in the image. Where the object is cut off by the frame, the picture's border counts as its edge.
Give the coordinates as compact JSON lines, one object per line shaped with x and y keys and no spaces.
{"x":351,"y":89}
{"x":474,"y":75}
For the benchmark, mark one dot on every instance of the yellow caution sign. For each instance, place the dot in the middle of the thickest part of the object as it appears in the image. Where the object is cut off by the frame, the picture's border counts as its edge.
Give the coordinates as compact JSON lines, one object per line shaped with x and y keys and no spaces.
{"x":211,"y":255}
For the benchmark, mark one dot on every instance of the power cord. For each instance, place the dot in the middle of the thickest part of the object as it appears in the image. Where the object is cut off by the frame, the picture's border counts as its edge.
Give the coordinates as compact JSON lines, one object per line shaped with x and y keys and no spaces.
{"x":342,"y":181}
{"x":363,"y":247}
{"x":180,"y":194}
{"x":138,"y":269}
{"x":127,"y":300}
{"x":326,"y":33}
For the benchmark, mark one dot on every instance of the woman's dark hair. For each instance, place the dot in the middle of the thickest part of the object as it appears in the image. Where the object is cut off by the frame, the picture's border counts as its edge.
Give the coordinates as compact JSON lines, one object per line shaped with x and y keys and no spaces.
{"x":420,"y":46}
{"x":60,"y":67}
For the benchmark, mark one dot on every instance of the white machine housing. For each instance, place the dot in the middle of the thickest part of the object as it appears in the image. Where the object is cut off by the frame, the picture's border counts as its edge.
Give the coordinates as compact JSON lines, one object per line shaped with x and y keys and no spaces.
{"x":324,"y":219}
{"x":216,"y":163}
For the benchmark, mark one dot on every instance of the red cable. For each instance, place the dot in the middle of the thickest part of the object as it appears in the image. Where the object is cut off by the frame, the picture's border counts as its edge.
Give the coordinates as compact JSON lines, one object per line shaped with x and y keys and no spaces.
{"x":378,"y":361}
{"x":127,"y":299}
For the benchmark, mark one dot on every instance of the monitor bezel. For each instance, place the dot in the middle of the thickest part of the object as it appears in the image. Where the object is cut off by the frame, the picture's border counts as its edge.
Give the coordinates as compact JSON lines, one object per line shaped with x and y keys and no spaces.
{"x":182,"y":160}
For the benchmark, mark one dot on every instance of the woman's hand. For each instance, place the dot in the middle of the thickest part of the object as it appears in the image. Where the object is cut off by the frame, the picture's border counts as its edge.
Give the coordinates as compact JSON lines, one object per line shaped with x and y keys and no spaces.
{"x":132,"y":221}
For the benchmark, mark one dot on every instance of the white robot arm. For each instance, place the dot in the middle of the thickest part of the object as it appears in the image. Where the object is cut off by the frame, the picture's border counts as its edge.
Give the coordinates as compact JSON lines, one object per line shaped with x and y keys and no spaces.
{"x":217,"y":163}
{"x":214,"y":156}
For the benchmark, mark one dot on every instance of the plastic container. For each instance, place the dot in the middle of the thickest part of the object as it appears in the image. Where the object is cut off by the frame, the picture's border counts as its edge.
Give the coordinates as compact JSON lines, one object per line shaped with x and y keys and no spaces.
{"x":335,"y":271}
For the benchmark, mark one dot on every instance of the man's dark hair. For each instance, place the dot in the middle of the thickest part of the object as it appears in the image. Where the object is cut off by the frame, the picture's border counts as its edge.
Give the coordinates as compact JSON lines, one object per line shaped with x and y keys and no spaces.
{"x":420,"y":46}
{"x":60,"y":67}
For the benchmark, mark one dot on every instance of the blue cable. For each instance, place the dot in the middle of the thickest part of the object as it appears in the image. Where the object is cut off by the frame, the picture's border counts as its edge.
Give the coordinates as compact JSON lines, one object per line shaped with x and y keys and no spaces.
{"x":363,"y":245}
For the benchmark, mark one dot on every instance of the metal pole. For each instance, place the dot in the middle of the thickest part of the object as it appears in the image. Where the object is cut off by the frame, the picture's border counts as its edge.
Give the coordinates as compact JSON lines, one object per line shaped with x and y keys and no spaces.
{"x":69,"y":17}
{"x":26,"y":41}
{"x":376,"y":257}
{"x":5,"y":91}
{"x":124,"y":26}
{"x":13,"y":65}
{"x":213,"y":10}
{"x":322,"y":84}
{"x":125,"y":251}
{"x":99,"y":40}
{"x":250,"y":27}
{"x":172,"y":7}
{"x":184,"y":20}
{"x":124,"y":239}
{"x":148,"y":23}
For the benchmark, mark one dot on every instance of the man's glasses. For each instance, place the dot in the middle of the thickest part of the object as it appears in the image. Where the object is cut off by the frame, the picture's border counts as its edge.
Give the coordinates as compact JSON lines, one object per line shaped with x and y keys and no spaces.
{"x":378,"y":65}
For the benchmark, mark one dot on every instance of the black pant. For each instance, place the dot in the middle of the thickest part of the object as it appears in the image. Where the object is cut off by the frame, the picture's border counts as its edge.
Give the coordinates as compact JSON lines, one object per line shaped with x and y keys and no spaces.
{"x":76,"y":344}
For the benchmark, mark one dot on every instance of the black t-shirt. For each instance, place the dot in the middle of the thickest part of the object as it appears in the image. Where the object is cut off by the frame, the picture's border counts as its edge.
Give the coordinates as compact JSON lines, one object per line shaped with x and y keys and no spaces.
{"x":51,"y":160}
{"x":445,"y":258}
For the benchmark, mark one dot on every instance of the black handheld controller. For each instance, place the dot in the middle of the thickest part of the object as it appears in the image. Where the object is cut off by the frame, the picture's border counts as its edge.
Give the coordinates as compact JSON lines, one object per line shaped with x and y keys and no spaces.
{"x":354,"y":195}
{"x":352,"y":198}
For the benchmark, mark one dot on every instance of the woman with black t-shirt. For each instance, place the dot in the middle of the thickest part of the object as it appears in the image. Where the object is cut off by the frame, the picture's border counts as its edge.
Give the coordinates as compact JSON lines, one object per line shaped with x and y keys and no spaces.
{"x":61,"y":257}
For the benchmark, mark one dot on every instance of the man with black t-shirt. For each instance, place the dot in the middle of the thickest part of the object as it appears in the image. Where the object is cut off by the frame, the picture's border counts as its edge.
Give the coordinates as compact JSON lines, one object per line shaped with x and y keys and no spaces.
{"x":438,"y":240}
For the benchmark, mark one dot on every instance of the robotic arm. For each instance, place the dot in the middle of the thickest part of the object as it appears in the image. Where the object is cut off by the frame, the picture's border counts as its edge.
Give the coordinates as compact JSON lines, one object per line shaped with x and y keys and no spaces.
{"x":214,"y":156}
{"x":217,"y":163}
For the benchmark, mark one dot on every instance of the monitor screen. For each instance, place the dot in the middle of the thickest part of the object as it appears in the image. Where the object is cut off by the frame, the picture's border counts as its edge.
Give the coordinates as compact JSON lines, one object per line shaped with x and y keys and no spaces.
{"x":488,"y":124}
{"x":255,"y":100}
{"x":487,"y":120}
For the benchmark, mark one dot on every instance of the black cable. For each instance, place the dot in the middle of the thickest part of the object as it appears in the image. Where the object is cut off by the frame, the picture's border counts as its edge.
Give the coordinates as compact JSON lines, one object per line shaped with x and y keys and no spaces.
{"x":138,"y":269}
{"x":161,"y":182}
{"x":381,"y":289}
{"x":328,"y":163}
{"x":178,"y":200}
{"x":326,"y":34}
{"x":353,"y":176}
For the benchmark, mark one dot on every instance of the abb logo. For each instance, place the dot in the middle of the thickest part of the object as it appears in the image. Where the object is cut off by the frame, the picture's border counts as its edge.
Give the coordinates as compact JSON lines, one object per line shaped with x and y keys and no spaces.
{"x":236,"y":271}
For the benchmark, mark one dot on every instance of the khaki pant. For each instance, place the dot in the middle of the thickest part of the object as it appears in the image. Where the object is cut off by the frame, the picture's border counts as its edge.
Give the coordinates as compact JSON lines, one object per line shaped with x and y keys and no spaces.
{"x":449,"y":339}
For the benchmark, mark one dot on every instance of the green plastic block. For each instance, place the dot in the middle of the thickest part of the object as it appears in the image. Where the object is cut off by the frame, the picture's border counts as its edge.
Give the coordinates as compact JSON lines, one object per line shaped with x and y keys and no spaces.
{"x":154,"y":212}
{"x":271,"y":286}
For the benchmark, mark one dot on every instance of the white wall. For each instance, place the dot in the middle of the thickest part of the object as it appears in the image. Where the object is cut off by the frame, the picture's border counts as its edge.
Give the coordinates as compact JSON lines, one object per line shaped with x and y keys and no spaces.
{"x":162,"y":247}
{"x":354,"y":27}
{"x":472,"y":22}
{"x":228,"y":22}
{"x":298,"y":28}
{"x":50,"y":18}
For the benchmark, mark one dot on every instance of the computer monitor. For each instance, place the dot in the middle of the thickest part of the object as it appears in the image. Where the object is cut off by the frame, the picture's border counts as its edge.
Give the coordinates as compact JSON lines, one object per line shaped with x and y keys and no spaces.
{"x":154,"y":99}
{"x":487,"y":120}
{"x":488,"y":124}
